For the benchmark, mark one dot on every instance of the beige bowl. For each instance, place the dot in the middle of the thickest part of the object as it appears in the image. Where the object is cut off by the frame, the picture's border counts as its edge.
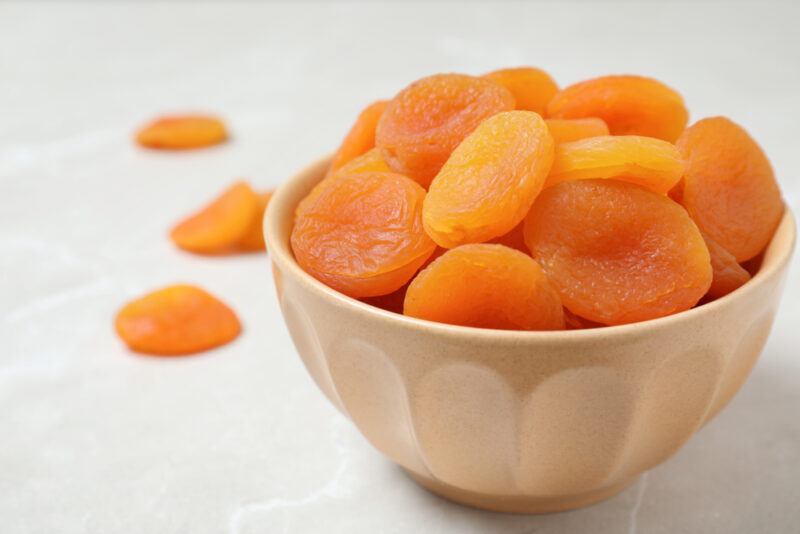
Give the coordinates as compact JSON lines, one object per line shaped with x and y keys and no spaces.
{"x":522,"y":421}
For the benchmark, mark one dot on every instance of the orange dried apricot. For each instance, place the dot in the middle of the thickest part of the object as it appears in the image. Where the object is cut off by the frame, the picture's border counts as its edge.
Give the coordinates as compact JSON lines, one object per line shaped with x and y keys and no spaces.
{"x":532,"y":88}
{"x":630,"y":105}
{"x":485,"y":286}
{"x":427,"y":120}
{"x":362,"y":234}
{"x":617,"y":252}
{"x":180,"y":132}
{"x":490,"y":181}
{"x":361,"y":136}
{"x":566,"y":130}
{"x":728,"y":274}
{"x":372,"y":160}
{"x":176,"y":320}
{"x":729,"y":188}
{"x":222,"y":224}
{"x":253,"y":240}
{"x":646,"y":161}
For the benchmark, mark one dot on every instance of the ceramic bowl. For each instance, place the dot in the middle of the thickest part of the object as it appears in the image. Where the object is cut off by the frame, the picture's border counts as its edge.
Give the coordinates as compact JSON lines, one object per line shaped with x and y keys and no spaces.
{"x":522,"y":421}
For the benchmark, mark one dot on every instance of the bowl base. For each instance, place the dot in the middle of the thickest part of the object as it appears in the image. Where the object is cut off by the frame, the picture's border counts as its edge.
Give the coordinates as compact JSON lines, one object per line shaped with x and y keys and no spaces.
{"x":518,"y":504}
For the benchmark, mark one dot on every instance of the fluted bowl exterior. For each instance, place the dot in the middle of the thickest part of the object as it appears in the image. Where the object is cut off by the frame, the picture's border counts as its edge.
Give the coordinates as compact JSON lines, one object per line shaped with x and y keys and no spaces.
{"x":522,"y":421}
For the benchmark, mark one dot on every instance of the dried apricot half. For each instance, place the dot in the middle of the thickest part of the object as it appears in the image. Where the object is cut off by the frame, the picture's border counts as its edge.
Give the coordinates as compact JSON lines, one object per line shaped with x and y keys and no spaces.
{"x":646,"y":161}
{"x":485,"y":286}
{"x":617,"y":252}
{"x":728,"y":274}
{"x":362,"y":234}
{"x":566,"y":130}
{"x":179,"y":132}
{"x":176,"y":320}
{"x":729,"y":188}
{"x":222,"y":224}
{"x":361,"y":136}
{"x":532,"y":88}
{"x":630,"y":105}
{"x":427,"y":120}
{"x":490,"y":181}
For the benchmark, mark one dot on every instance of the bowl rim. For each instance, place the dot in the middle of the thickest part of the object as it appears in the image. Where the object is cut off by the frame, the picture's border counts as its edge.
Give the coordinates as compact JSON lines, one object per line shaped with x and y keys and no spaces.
{"x":776,"y":256}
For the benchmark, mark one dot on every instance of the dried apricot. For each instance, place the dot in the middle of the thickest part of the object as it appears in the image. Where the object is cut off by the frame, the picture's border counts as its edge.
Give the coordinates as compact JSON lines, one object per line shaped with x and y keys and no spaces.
{"x":532,"y":88}
{"x":490,"y":181}
{"x":427,"y":120}
{"x":566,"y":130}
{"x":182,"y":132}
{"x":646,"y":161}
{"x":728,"y":274}
{"x":486,"y":286}
{"x":372,"y":160}
{"x":361,"y":136}
{"x":222,"y":224}
{"x":617,"y":252}
{"x":176,"y":320}
{"x":362,"y":234}
{"x":253,"y":240}
{"x":575,"y":322}
{"x":729,"y":188}
{"x":630,"y":105}
{"x":515,"y":238}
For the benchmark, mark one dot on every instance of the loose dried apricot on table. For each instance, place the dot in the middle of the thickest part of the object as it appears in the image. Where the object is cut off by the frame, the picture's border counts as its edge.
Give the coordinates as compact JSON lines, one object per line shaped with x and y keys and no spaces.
{"x":729,"y":188}
{"x":176,"y":320}
{"x":361,"y":136}
{"x":427,"y":120}
{"x":646,"y":161}
{"x":180,"y":132}
{"x":490,"y":181}
{"x":362,"y":234}
{"x":616,"y":252}
{"x":485,"y":286}
{"x":630,"y":105}
{"x":253,"y":239}
{"x":566,"y":130}
{"x":532,"y":88}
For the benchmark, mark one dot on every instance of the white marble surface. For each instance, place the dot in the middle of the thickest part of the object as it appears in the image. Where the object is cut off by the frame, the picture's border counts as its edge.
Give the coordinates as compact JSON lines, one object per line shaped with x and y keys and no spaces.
{"x":96,"y":439}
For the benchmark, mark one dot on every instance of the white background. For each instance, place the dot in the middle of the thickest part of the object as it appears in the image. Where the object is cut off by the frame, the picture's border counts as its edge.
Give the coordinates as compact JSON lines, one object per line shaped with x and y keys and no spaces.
{"x":96,"y":439}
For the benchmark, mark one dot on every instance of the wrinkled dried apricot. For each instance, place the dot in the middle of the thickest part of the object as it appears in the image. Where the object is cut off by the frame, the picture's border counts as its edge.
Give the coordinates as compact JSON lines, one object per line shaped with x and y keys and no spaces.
{"x":647,"y":161}
{"x":222,"y":224}
{"x":490,"y":181}
{"x":182,"y":132}
{"x":427,"y":120}
{"x":253,"y":240}
{"x":616,"y":252}
{"x":532,"y":88}
{"x":361,"y":136}
{"x":486,"y":286}
{"x":566,"y":130}
{"x":630,"y":105}
{"x":729,"y":188}
{"x":362,"y":234}
{"x":728,"y":274}
{"x":176,"y":320}
{"x":372,"y":160}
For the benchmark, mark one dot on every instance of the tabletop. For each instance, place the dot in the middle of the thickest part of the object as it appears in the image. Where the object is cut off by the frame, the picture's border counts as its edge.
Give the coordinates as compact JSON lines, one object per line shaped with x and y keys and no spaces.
{"x":94,"y":438}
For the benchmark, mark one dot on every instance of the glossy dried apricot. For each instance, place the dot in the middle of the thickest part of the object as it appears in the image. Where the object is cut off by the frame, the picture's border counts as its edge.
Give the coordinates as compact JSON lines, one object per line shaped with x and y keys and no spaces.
{"x":362,"y":234}
{"x":361,"y":136}
{"x":490,"y":181}
{"x":566,"y":130}
{"x":616,"y":252}
{"x":253,"y":240}
{"x":221,"y":225}
{"x":532,"y":88}
{"x":728,"y":274}
{"x":427,"y":120}
{"x":485,"y":286}
{"x":176,"y":320}
{"x":729,"y":188}
{"x":181,"y":132}
{"x":647,"y":161}
{"x":629,"y":105}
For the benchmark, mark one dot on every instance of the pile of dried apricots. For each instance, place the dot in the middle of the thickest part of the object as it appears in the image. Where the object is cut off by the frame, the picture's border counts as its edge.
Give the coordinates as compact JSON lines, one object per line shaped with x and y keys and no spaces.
{"x":502,"y":201}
